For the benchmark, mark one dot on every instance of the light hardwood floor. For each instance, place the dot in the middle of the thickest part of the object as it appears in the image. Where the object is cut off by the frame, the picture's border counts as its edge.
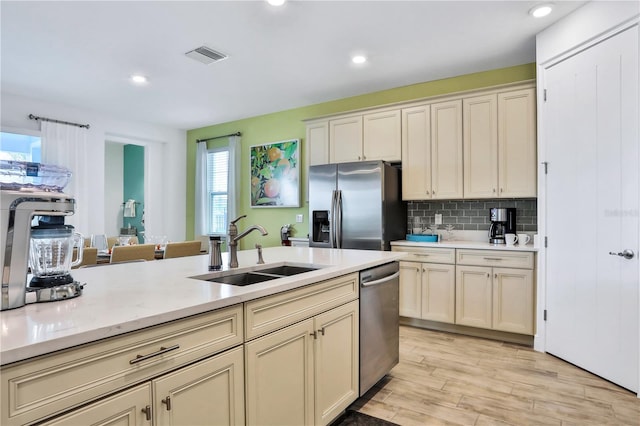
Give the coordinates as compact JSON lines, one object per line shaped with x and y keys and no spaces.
{"x":448,"y":379}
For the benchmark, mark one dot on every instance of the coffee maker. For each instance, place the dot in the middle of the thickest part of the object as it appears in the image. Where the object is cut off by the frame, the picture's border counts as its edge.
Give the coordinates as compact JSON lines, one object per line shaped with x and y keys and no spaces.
{"x":503,"y":221}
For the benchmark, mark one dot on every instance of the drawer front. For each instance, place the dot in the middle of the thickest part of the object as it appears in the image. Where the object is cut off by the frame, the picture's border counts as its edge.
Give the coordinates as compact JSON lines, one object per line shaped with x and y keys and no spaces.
{"x":428,"y":254}
{"x":500,"y":258}
{"x":51,"y":383}
{"x":274,"y":312}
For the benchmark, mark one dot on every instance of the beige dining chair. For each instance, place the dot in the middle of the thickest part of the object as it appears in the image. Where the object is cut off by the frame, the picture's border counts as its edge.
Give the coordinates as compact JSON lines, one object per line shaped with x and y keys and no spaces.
{"x":181,"y":249}
{"x":89,"y":256}
{"x":133,"y":252}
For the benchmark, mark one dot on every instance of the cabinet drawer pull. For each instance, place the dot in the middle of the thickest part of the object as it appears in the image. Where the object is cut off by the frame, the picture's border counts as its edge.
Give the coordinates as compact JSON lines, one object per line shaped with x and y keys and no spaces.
{"x":147,"y":411}
{"x":492,"y":258}
{"x":167,"y":402}
{"x":162,"y":350}
{"x":421,"y":254}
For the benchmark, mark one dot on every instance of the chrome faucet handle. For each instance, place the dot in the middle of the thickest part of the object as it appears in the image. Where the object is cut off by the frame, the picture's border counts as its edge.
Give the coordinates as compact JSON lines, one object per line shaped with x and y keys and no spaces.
{"x":233,"y":222}
{"x":260,"y":259}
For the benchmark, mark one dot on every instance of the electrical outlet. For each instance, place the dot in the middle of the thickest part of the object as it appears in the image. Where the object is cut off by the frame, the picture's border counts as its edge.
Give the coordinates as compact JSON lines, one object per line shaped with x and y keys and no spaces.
{"x":299,"y":218}
{"x":438,"y":219}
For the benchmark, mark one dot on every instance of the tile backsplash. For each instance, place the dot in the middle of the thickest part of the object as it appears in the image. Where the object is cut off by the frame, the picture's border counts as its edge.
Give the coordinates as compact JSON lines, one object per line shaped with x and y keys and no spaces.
{"x":471,"y":215}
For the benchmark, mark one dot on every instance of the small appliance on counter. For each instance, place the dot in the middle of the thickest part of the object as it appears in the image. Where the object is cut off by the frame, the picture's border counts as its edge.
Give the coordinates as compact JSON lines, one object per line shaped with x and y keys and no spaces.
{"x":285,"y":233}
{"x":29,"y":190}
{"x":503,"y":221}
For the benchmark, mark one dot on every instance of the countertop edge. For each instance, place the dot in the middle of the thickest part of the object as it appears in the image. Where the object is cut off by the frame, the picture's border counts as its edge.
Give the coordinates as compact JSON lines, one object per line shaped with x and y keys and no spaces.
{"x":53,"y":334}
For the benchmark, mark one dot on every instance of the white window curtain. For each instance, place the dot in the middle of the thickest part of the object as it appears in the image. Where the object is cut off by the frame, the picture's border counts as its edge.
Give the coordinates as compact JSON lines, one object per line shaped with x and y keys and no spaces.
{"x":65,"y":145}
{"x":201,"y":204}
{"x":233,"y":197}
{"x":201,"y":189}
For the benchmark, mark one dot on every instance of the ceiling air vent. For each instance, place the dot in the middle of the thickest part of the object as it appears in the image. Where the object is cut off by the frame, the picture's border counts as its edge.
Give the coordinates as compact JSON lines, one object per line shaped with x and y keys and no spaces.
{"x":206,"y":55}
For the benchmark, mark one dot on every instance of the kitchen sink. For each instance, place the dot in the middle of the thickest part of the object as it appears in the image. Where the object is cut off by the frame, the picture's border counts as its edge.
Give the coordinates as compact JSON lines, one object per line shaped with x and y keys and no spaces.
{"x":256,"y":275}
{"x":286,"y":270}
{"x":243,"y":279}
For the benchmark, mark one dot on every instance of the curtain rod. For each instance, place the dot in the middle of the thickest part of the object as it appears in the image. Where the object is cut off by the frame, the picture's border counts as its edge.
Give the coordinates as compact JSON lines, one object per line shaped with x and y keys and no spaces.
{"x":218,"y":137}
{"x":35,"y":117}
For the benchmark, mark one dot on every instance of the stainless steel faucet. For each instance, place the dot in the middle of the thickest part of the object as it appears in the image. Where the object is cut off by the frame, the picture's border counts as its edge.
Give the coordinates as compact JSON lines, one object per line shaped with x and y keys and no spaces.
{"x":234,"y":237}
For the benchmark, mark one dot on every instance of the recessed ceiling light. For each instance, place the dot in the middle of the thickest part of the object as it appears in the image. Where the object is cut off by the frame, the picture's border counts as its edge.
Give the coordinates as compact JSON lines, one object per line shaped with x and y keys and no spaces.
{"x":359,"y":59}
{"x":276,"y":2}
{"x":139,"y":79}
{"x":541,"y":10}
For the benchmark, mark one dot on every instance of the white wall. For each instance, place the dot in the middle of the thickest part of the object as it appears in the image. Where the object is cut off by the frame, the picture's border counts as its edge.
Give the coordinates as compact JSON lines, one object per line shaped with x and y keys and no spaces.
{"x":113,"y":187}
{"x":166,"y":177}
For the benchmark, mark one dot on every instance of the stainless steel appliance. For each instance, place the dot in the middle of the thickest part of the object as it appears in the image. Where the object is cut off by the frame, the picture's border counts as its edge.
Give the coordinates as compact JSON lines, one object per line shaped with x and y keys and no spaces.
{"x":29,"y":190}
{"x":379,"y":323}
{"x":503,"y":221}
{"x":356,"y":206}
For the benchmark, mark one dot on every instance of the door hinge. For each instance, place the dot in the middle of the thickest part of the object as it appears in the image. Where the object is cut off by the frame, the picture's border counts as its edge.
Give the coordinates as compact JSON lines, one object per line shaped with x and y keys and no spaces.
{"x":545,"y":242}
{"x":545,"y":314}
{"x":544,"y":95}
{"x":546,"y":166}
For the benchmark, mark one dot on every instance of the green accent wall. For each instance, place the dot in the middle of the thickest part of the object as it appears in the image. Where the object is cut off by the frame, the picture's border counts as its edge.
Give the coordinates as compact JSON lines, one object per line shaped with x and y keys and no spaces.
{"x":289,"y":125}
{"x":133,"y":187}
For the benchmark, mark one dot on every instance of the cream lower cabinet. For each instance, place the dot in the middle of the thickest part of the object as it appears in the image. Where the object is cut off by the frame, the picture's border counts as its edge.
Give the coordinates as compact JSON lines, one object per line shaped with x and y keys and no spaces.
{"x":183,"y":357}
{"x":208,"y":392}
{"x":495,"y":297}
{"x":427,"y":291}
{"x":127,"y":408}
{"x":427,"y":284}
{"x":306,"y":373}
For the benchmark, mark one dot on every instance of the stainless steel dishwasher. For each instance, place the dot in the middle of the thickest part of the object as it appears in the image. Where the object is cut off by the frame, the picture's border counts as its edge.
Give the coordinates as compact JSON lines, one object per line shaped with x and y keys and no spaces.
{"x":379,"y":323}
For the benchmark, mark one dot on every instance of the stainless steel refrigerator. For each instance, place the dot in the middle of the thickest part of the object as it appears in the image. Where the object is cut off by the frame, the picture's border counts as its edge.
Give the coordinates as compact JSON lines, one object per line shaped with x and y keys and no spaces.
{"x":356,"y":206}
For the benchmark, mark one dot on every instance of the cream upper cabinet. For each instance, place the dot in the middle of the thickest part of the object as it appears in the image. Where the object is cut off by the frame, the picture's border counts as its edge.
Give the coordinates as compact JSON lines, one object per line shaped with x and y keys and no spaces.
{"x":480,"y":146}
{"x":372,"y":136}
{"x":517,"y":164}
{"x":446,"y":150}
{"x":345,"y":139}
{"x":317,"y":143}
{"x":306,"y":373}
{"x":382,"y":139}
{"x":416,"y":153}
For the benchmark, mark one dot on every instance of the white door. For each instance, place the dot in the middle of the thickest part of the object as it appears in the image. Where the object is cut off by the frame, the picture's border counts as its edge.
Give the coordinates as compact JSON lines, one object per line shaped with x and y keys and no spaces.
{"x":591,"y":133}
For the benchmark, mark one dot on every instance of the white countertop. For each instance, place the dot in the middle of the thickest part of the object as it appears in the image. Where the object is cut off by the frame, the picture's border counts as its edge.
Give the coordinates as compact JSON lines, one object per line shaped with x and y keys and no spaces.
{"x":477,"y":245}
{"x":121,"y":298}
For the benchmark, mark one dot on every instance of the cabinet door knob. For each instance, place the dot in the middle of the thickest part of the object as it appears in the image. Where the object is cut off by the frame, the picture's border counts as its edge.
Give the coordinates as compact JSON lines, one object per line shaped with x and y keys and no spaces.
{"x":147,"y":411}
{"x":314,"y":334}
{"x":321,"y":331}
{"x":167,"y":402}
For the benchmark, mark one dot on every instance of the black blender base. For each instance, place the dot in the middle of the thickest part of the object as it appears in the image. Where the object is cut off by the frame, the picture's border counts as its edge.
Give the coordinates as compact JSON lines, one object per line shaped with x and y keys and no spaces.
{"x":50,"y":281}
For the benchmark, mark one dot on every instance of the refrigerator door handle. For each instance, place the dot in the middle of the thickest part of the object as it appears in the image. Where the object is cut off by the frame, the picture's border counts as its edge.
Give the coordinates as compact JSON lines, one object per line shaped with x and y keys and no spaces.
{"x":332,"y":220}
{"x":338,"y":222}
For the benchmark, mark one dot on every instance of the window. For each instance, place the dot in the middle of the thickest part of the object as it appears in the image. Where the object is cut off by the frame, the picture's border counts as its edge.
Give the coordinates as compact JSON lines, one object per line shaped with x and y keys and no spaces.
{"x":19,"y":147}
{"x":217,"y":190}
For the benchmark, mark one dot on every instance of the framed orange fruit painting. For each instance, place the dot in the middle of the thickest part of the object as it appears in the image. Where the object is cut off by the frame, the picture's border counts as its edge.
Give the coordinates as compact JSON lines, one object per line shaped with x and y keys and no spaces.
{"x":275,"y":174}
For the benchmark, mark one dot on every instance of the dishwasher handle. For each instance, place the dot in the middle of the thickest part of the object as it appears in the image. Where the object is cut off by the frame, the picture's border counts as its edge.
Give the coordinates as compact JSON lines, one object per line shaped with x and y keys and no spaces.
{"x":380,"y":281}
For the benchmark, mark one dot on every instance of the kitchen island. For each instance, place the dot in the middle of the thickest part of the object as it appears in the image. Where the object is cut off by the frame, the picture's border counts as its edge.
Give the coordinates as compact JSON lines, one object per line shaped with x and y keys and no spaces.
{"x":131,"y":308}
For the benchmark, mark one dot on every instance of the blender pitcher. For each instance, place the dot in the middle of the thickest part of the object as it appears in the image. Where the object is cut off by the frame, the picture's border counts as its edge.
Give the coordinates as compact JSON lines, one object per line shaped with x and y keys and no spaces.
{"x":51,"y":252}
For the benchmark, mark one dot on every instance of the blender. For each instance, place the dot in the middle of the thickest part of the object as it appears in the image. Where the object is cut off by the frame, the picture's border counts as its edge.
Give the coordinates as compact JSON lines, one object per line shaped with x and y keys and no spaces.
{"x":29,"y":190}
{"x":50,"y":259}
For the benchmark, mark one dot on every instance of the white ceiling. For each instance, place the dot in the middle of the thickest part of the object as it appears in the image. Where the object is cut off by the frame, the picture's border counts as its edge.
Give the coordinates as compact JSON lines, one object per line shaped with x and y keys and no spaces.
{"x":81,"y":53}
